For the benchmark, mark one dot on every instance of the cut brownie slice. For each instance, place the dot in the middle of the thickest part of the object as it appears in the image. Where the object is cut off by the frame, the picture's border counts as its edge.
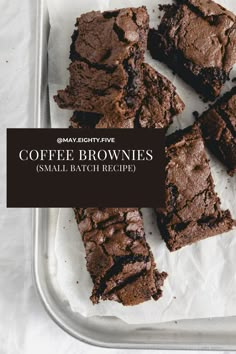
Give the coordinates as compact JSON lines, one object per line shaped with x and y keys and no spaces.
{"x":192,"y":209}
{"x":161,"y":101}
{"x":197,"y":38}
{"x":218,"y":125}
{"x":107,"y":52}
{"x":157,"y":109}
{"x":118,"y":257}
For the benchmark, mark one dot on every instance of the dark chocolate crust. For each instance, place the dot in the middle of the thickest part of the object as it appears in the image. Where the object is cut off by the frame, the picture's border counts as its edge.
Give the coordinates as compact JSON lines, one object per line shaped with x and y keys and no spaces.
{"x":218,"y":125}
{"x":192,"y":209}
{"x":107,"y":52}
{"x":157,"y":109}
{"x":118,"y":257}
{"x":197,"y":38}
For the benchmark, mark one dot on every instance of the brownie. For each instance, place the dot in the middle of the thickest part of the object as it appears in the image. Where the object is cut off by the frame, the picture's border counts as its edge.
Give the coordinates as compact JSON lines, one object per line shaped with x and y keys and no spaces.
{"x":118,"y":257}
{"x":197,"y":39}
{"x":218,"y":125}
{"x":192,"y":211}
{"x":107,"y":52}
{"x":157,"y":109}
{"x":85,"y":120}
{"x":95,"y":120}
{"x":160,"y":103}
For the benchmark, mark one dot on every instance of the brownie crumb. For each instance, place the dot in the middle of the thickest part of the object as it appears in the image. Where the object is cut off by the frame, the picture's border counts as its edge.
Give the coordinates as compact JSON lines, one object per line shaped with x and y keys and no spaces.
{"x":195,"y":114}
{"x":164,"y":7}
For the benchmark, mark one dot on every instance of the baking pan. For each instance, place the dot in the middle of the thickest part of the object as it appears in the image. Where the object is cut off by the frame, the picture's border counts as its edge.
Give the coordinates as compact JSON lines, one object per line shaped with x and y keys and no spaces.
{"x":208,"y":334}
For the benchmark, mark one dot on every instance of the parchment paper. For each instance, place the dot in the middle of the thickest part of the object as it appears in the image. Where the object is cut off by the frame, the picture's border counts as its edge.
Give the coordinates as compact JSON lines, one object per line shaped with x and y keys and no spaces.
{"x":202,"y":277}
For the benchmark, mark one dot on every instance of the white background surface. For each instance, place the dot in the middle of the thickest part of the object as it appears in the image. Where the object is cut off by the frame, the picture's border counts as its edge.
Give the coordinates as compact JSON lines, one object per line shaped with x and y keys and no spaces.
{"x":24,"y":326}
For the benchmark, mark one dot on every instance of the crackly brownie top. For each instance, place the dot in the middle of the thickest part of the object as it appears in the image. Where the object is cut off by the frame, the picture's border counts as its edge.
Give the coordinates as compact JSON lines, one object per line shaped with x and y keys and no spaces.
{"x":192,"y":209}
{"x":218,"y":125}
{"x":102,"y":91}
{"x":203,"y":31}
{"x":107,"y":38}
{"x":190,"y":185}
{"x":157,"y":109}
{"x":109,"y":232}
{"x":118,"y":258}
{"x":107,"y":51}
{"x":221,"y":116}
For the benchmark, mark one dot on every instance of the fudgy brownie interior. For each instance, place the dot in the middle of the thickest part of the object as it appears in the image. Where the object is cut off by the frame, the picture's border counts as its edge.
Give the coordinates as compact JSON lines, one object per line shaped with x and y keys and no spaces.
{"x":159,"y":105}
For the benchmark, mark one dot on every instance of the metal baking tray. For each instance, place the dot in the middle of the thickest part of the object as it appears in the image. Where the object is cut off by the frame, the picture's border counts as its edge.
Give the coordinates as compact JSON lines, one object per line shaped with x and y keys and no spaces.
{"x":209,"y":334}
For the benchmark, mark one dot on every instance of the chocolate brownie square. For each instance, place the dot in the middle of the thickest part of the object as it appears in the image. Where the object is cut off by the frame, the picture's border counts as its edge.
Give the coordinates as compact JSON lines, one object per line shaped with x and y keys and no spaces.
{"x":192,"y":210}
{"x":107,"y":52}
{"x":218,"y":125}
{"x":197,"y":38}
{"x":118,"y":257}
{"x":157,"y":109}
